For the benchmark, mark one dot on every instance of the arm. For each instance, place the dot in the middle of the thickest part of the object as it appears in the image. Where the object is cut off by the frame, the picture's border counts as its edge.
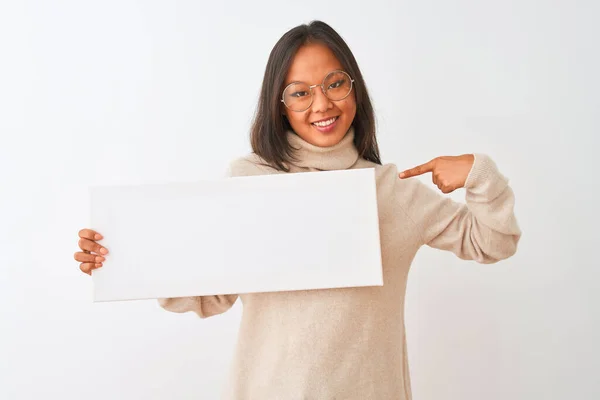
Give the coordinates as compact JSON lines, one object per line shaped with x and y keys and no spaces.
{"x":207,"y":306}
{"x":484,"y":229}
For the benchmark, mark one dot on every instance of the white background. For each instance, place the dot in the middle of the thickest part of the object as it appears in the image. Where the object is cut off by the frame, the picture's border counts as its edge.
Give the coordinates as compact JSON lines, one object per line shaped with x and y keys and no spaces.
{"x":140,"y":92}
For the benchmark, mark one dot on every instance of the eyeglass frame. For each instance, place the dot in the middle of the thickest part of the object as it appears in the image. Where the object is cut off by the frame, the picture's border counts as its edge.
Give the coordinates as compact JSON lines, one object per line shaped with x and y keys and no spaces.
{"x":311,"y":87}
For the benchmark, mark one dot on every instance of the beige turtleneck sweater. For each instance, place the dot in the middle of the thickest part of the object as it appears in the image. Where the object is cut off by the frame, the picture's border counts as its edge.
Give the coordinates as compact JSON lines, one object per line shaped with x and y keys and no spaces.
{"x":350,"y":343}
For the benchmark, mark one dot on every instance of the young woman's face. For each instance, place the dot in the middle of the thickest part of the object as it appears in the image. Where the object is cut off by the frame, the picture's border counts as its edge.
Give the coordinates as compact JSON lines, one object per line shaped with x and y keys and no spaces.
{"x":311,"y":64}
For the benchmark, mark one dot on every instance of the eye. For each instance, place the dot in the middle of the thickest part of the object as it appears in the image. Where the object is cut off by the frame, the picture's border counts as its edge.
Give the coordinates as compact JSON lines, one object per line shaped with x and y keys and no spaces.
{"x":336,"y":84}
{"x":299,"y":94}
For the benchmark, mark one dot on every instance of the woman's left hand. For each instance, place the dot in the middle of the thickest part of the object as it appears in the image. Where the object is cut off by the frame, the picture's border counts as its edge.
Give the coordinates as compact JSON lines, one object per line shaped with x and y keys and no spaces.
{"x":448,"y":173}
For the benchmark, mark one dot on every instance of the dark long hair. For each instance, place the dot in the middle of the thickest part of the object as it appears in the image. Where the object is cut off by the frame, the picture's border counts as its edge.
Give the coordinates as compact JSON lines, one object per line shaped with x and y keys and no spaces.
{"x":268,"y":133}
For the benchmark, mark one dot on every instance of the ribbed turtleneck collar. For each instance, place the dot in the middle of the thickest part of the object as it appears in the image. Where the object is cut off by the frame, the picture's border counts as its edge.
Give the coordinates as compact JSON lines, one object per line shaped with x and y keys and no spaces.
{"x":342,"y":155}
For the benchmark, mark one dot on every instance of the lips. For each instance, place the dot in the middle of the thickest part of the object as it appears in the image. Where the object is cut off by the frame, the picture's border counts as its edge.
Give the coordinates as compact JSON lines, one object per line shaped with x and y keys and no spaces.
{"x":323,"y":123}
{"x":326,"y":126}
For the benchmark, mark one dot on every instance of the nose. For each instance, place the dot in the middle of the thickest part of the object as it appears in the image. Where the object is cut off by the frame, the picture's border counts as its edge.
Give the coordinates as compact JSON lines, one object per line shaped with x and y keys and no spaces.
{"x":321,"y":103}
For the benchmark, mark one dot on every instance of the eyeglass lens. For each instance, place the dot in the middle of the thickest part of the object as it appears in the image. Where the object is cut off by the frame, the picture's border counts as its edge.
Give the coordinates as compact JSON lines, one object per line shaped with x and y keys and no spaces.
{"x":298,"y":96}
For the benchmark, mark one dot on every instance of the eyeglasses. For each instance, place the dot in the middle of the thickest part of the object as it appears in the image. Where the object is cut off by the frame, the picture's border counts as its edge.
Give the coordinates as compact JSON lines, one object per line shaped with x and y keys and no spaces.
{"x":298,"y":96}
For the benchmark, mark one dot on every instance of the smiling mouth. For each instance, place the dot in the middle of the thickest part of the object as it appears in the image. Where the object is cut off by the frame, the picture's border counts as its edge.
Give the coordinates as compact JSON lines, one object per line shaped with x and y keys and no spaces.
{"x":325,"y":123}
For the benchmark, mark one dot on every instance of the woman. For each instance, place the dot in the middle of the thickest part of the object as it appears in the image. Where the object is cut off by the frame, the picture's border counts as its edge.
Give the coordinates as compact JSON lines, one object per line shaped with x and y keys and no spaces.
{"x":314,"y":114}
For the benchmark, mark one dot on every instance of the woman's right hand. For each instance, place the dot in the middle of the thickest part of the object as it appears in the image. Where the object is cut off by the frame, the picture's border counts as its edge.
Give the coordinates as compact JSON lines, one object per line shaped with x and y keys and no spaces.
{"x":92,"y":254}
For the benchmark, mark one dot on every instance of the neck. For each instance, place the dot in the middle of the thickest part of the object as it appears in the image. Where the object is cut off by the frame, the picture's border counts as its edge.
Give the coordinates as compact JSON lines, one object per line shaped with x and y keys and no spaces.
{"x":342,"y":155}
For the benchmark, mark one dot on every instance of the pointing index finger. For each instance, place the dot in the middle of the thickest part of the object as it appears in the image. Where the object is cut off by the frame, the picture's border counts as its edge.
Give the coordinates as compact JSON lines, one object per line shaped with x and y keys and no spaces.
{"x":418,"y":170}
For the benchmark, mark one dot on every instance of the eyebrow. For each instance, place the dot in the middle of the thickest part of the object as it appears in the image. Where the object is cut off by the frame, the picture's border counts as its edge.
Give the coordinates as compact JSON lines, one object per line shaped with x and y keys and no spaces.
{"x":286,"y":83}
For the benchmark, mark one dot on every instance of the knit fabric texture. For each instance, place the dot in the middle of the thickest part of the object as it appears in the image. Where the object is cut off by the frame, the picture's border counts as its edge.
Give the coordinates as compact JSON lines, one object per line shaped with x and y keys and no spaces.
{"x":349,"y":343}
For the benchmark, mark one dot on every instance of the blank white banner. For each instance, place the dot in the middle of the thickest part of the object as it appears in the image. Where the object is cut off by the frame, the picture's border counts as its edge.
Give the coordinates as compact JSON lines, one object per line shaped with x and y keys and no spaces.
{"x":238,"y":235}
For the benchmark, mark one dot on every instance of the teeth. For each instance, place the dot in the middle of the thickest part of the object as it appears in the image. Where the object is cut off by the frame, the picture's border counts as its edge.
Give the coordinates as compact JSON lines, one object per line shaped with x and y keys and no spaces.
{"x":325,"y":123}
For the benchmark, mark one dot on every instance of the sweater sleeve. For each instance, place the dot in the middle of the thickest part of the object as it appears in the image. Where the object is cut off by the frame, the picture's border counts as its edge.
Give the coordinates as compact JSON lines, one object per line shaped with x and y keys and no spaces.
{"x":207,"y":306}
{"x":203,"y":306}
{"x":484,"y":229}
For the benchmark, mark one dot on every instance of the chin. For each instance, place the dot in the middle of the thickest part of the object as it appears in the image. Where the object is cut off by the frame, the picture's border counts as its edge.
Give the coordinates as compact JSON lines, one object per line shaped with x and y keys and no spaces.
{"x":321,"y":138}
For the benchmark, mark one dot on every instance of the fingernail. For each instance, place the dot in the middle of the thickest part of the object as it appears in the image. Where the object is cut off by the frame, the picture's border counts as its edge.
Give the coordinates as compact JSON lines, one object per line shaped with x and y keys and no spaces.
{"x":103,"y":251}
{"x":98,"y":265}
{"x":99,"y":259}
{"x":98,"y":236}
{"x":402,"y":174}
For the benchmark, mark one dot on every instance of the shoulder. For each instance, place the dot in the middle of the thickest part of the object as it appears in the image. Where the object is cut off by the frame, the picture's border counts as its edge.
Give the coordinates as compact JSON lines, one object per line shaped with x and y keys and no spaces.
{"x":380,"y":169}
{"x":384,"y":173}
{"x":248,"y":165}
